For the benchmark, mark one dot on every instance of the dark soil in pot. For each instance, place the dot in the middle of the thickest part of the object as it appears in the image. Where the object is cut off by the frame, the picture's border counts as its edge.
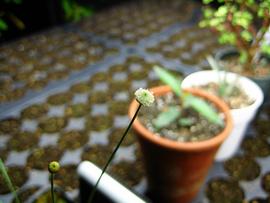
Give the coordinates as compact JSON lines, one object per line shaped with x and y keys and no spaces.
{"x":236,"y":99}
{"x":77,"y":110}
{"x":72,"y":140}
{"x":23,"y":141}
{"x":99,"y":122}
{"x":256,"y":147}
{"x":41,"y":157}
{"x":10,"y":125}
{"x":18,"y":176}
{"x":52,"y":124}
{"x":67,"y":178}
{"x":98,"y":154}
{"x":60,"y":98}
{"x":124,"y":172}
{"x":242,"y":168}
{"x":198,"y":129}
{"x":224,"y":191}
{"x":117,"y":133}
{"x":24,"y":195}
{"x":35,"y":111}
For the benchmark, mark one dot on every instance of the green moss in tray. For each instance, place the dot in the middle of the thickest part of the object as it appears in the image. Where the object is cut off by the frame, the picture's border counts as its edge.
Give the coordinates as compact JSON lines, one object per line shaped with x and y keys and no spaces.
{"x":18,"y":176}
{"x":23,"y":141}
{"x":118,"y":107}
{"x":52,"y":124}
{"x":224,"y":191}
{"x":66,"y":178}
{"x":46,"y":198}
{"x":99,"y":122}
{"x":138,"y":75}
{"x":16,"y":94}
{"x":10,"y":125}
{"x":242,"y":168}
{"x":72,"y":139}
{"x":25,"y":194}
{"x":128,"y":173}
{"x":256,"y":147}
{"x":98,"y":77}
{"x":35,"y":111}
{"x":77,"y":110}
{"x":60,"y":98}
{"x":80,"y":88}
{"x":98,"y":154}
{"x":117,"y":68}
{"x":98,"y":97}
{"x":265,"y":182}
{"x":119,"y":85}
{"x":116,"y":135}
{"x":41,"y":157}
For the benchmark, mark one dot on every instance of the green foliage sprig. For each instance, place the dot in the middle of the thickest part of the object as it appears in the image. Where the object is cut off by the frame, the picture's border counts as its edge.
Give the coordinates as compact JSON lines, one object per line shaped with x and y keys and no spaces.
{"x":74,"y":11}
{"x":243,"y":24}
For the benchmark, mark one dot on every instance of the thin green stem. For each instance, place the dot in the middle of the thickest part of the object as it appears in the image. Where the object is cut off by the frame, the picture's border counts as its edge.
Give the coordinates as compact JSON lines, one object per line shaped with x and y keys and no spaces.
{"x":5,"y":175}
{"x":52,"y":187}
{"x":90,"y":200}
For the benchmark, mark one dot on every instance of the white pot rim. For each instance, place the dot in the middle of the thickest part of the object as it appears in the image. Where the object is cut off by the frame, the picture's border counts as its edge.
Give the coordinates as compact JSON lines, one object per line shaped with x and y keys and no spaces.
{"x":245,"y":82}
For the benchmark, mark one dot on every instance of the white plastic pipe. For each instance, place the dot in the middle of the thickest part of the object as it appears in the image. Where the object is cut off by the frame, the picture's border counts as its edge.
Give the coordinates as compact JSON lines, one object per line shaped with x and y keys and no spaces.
{"x":107,"y":185}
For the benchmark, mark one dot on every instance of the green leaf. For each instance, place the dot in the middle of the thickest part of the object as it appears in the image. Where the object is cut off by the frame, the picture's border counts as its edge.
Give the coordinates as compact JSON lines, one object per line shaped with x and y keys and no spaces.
{"x":5,"y":175}
{"x":169,"y":79}
{"x":167,"y":117}
{"x":203,"y":108}
{"x":3,"y":25}
{"x":243,"y":57}
{"x":186,"y":121}
{"x":246,"y":35}
{"x":207,"y":1}
{"x":266,"y":48}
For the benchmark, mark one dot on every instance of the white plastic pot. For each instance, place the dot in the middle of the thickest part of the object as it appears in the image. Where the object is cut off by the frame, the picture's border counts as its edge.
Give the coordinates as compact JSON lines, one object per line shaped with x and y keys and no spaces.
{"x":241,"y":117}
{"x":108,"y":186}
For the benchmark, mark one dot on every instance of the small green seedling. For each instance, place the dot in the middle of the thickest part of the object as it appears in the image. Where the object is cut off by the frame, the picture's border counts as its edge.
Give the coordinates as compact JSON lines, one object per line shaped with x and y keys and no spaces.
{"x":173,"y":113}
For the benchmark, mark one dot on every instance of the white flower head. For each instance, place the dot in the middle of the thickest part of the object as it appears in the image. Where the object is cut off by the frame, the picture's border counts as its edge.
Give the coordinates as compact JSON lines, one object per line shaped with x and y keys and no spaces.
{"x":144,"y":97}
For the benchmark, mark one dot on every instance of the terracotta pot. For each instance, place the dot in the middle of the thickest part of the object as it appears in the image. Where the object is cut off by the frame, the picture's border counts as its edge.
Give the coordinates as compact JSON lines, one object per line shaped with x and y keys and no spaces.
{"x":176,"y":170}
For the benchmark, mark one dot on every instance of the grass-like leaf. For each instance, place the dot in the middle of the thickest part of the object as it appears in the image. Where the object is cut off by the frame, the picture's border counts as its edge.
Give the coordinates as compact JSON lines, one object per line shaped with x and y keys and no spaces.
{"x":204,"y":109}
{"x":165,"y":118}
{"x":169,"y":79}
{"x":5,"y":175}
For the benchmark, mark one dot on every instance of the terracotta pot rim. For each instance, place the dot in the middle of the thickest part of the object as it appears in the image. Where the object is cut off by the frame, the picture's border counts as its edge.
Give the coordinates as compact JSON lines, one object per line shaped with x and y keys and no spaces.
{"x":184,"y":146}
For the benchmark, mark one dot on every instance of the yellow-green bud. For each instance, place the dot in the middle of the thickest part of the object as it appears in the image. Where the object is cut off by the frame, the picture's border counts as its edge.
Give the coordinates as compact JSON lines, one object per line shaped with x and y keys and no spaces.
{"x":53,"y":167}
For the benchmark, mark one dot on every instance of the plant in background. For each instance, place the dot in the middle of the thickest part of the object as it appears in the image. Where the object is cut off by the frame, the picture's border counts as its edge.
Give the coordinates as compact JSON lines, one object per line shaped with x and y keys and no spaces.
{"x":243,"y":24}
{"x":225,"y":89}
{"x":145,"y":98}
{"x":75,"y":11}
{"x":5,"y":14}
{"x":173,"y":113}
